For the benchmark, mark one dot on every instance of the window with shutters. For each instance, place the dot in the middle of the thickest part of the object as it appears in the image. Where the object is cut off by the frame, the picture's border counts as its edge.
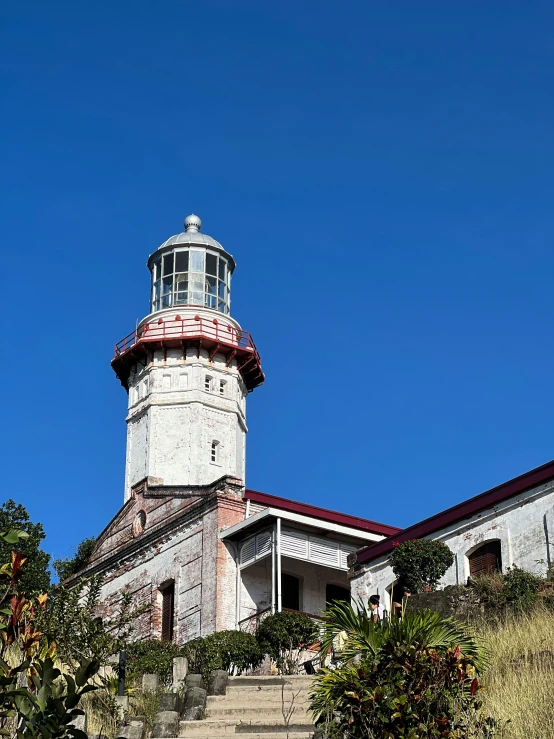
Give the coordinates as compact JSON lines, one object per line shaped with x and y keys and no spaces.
{"x":290,"y":592}
{"x":168,"y":611}
{"x":486,"y":559}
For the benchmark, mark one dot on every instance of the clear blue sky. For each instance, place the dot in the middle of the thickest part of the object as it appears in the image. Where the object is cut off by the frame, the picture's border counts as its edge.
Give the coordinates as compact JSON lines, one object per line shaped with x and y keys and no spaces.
{"x":382,"y":173}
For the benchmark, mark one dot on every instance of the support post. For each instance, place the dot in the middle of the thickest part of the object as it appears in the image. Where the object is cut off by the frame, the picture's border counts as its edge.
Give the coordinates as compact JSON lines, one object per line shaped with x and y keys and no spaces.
{"x":121,"y":671}
{"x":278,"y":557}
{"x":273,"y":542}
{"x":238,"y":588}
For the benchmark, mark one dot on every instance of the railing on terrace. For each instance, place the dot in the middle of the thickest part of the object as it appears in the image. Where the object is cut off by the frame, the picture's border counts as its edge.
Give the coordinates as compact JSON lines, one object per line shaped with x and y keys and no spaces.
{"x":188,"y":328}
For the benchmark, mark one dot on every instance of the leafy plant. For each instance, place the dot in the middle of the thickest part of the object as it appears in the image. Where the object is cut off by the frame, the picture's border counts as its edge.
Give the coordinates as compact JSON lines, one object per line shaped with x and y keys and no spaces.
{"x":283,"y":635}
{"x":35,"y":577}
{"x":491,"y":591}
{"x":70,"y":618}
{"x":419,"y":564}
{"x":71,"y":565}
{"x":521,"y":588}
{"x":234,"y":651}
{"x":150,"y":656}
{"x":411,"y":678}
{"x":517,"y":590}
{"x":36,"y":699}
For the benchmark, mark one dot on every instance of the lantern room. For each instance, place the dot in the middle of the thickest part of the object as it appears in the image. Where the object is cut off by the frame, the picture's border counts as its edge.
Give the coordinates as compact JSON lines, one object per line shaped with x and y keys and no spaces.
{"x":191,"y":268}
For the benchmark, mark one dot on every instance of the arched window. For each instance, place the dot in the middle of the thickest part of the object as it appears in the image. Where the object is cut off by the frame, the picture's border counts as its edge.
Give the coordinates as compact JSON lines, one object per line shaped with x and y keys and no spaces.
{"x":486,"y":559}
{"x":336,"y":592}
{"x":290,"y":592}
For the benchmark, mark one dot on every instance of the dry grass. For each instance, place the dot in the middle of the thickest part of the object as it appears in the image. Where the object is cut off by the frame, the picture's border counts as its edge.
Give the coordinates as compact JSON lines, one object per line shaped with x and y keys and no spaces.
{"x":99,"y":718}
{"x":518,"y":681}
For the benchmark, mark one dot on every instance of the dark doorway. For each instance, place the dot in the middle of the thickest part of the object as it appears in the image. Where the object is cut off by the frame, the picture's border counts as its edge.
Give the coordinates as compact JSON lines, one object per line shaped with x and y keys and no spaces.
{"x":486,"y":560}
{"x":336,"y":592}
{"x":290,"y":592}
{"x":168,"y":611}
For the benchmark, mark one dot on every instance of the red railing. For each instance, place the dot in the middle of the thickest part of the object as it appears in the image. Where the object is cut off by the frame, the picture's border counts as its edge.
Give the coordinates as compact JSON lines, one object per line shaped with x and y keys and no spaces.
{"x":176,"y":329}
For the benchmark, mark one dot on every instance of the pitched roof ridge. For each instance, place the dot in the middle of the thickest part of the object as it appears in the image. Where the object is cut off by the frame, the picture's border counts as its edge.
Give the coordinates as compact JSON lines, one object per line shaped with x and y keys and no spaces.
{"x":466,"y":508}
{"x":308,"y":509}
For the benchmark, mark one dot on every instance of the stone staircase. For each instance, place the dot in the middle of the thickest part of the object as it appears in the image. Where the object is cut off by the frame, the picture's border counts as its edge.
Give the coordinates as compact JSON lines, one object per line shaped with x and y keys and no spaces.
{"x":261,"y":707}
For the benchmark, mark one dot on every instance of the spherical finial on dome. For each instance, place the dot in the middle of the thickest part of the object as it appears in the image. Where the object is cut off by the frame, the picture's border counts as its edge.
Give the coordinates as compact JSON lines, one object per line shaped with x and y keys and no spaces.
{"x":193,"y":223}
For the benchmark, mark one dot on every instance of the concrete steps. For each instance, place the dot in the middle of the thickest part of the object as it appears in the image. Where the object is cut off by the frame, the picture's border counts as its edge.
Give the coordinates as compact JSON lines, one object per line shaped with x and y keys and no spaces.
{"x":259,"y":707}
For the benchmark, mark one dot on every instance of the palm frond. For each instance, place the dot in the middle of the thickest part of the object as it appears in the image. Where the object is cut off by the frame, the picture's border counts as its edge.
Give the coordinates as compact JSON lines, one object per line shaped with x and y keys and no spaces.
{"x":355,"y":623}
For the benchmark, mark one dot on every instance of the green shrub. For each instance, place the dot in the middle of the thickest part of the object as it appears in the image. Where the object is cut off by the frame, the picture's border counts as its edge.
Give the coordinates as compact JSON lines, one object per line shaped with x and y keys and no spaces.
{"x":414,"y":678}
{"x":516,"y":590}
{"x":419,"y":564}
{"x":283,"y":635}
{"x":234,"y":651}
{"x":238,"y":650}
{"x":151,"y":656}
{"x":491,"y":591}
{"x":521,"y":588}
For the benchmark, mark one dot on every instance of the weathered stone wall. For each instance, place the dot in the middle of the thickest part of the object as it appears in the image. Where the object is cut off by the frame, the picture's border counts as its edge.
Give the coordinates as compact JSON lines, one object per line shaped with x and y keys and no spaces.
{"x":524,"y":525}
{"x":179,"y":542}
{"x":178,"y":406}
{"x":458,"y":601}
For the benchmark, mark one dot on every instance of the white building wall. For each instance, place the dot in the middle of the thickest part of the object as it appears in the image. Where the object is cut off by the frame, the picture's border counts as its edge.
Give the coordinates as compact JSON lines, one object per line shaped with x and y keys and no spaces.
{"x":524,"y":525}
{"x":177,"y":408}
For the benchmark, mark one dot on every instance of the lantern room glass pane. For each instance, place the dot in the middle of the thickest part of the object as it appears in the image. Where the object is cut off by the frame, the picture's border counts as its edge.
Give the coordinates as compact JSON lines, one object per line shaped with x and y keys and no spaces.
{"x":196,"y":261}
{"x":191,"y":277}
{"x":168,"y":264}
{"x":181,"y":282}
{"x":211,"y":285}
{"x":211,"y":264}
{"x":181,"y":261}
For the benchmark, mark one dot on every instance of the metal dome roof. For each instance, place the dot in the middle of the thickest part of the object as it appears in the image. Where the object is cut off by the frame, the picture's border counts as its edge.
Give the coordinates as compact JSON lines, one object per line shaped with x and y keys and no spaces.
{"x":191,"y":235}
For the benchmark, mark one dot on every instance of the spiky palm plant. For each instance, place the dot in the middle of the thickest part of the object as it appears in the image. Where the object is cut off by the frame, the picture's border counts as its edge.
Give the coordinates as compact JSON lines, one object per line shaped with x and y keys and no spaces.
{"x":401,"y":676}
{"x":365,"y":638}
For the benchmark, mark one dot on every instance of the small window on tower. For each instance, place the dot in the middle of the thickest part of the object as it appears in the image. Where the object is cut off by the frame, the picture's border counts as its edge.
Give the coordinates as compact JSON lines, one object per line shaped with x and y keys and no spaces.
{"x":207,"y":383}
{"x":215,"y":452}
{"x":222,"y":384}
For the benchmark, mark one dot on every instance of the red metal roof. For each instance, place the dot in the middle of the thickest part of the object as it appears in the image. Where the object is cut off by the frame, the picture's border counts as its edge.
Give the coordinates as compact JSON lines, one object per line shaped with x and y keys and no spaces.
{"x":468,"y":508}
{"x":305,"y":509}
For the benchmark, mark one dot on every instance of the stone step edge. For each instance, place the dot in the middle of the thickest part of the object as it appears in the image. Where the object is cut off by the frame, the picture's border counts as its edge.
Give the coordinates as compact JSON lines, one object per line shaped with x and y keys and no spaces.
{"x":255,"y":682}
{"x":256,"y":735}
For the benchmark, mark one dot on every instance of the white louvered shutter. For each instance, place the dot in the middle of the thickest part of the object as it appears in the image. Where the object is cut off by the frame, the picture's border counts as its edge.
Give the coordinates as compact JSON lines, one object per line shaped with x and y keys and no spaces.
{"x":294,"y":544}
{"x":345,"y":550}
{"x":248,"y":551}
{"x":324,"y":552}
{"x":263,"y":544}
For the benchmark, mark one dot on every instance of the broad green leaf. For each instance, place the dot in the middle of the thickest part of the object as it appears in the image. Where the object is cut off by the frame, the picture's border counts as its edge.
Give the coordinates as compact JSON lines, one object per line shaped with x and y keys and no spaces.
{"x":13,"y":536}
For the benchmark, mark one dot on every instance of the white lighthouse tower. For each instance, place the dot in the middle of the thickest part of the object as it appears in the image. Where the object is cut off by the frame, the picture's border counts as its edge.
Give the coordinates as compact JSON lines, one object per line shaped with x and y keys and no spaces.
{"x":187,"y":367}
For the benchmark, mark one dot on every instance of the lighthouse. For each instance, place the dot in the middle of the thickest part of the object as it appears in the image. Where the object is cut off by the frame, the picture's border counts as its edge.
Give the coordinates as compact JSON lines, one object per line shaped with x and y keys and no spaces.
{"x":187,"y":367}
